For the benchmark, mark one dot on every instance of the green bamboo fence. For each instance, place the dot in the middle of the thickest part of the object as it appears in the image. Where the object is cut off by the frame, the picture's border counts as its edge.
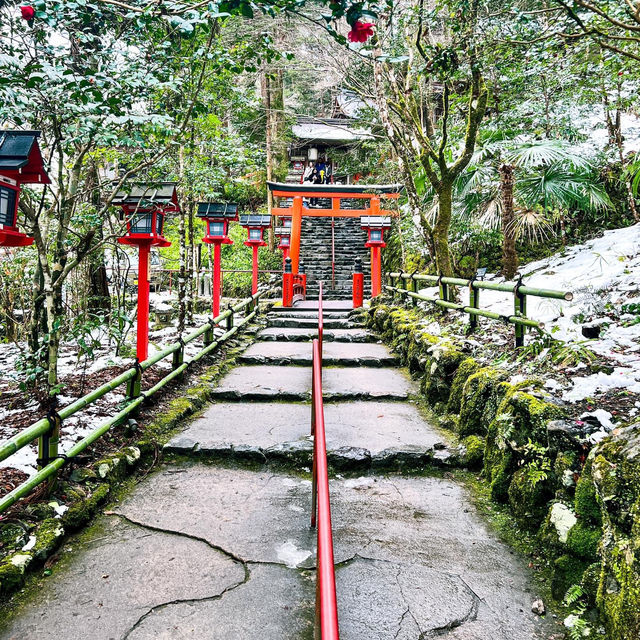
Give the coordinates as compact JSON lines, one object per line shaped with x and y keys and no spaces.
{"x":519,"y":290}
{"x":42,"y":429}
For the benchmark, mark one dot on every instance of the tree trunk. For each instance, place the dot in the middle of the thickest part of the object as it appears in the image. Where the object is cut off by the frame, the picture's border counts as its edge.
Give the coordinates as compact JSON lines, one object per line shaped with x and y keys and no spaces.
{"x":441,"y":230}
{"x":509,"y":254}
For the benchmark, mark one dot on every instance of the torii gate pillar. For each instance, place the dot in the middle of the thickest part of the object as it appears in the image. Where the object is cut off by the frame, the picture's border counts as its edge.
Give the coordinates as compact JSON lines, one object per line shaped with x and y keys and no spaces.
{"x":296,"y":232}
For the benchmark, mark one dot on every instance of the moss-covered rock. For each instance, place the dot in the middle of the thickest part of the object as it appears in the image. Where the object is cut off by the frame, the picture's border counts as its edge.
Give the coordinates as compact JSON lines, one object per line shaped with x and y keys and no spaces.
{"x":565,"y":470}
{"x":616,"y":477}
{"x":81,"y":512}
{"x":520,"y":421}
{"x":499,"y":475}
{"x":48,"y":538}
{"x":583,"y":541}
{"x":528,"y":500}
{"x":586,"y":500}
{"x":590,"y":582}
{"x":467,"y":368}
{"x":567,"y":571}
{"x":444,"y":360}
{"x":473,"y":452}
{"x":12,"y":572}
{"x":481,"y":396}
{"x":12,"y":536}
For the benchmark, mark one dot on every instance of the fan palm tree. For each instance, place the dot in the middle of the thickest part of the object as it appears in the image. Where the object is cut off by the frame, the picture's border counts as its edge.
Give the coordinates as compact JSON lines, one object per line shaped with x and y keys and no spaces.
{"x":522,"y":187}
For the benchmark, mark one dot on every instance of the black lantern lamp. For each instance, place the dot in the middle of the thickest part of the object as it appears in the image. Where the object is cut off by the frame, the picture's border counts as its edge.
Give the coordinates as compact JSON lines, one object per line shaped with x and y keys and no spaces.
{"x":255,"y":224}
{"x":144,"y":208}
{"x":217,"y":216}
{"x":20,"y":163}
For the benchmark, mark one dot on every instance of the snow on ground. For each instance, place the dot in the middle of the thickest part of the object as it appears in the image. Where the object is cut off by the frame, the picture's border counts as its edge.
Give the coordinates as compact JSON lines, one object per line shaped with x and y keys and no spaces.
{"x":603,"y":275}
{"x":81,"y":424}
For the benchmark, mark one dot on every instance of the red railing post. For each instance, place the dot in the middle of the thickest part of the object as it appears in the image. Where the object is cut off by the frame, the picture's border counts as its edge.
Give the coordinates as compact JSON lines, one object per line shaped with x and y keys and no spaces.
{"x":287,"y":284}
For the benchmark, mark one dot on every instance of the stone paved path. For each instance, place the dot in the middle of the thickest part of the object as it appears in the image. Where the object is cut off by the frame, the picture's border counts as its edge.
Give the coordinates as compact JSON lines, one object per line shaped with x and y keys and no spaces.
{"x":209,"y":548}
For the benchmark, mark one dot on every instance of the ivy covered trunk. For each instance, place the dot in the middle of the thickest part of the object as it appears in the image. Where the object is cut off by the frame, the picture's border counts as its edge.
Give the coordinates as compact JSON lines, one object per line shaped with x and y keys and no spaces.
{"x":509,"y":254}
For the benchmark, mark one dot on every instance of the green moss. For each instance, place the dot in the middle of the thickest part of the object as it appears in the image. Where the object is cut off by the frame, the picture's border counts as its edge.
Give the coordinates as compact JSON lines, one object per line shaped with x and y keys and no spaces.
{"x":81,"y":512}
{"x":590,"y":582}
{"x":586,"y":502}
{"x":520,"y":418}
{"x":481,"y":395}
{"x":528,"y":501}
{"x":615,"y":474}
{"x":567,"y":571}
{"x":441,"y":367}
{"x":11,"y":577}
{"x":583,"y":541}
{"x":473,"y":452}
{"x":619,"y":593}
{"x":48,"y":537}
{"x":500,"y":477}
{"x":467,"y":368}
{"x":564,"y":469}
{"x":12,"y":536}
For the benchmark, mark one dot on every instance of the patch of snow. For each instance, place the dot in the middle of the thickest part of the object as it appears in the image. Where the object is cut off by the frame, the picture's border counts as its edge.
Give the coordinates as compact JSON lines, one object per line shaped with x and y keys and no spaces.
{"x":291,"y":555}
{"x":358,"y":483}
{"x":30,"y":544}
{"x":562,"y":519}
{"x":602,"y":274}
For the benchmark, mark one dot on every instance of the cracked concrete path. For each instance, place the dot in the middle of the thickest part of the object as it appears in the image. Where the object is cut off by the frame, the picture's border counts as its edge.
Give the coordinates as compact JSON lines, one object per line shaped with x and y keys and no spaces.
{"x":231,"y":556}
{"x":201,"y":551}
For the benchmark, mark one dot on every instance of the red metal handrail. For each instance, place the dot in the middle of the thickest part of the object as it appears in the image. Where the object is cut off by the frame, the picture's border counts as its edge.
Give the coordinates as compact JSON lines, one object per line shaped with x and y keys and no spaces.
{"x":326,"y":603}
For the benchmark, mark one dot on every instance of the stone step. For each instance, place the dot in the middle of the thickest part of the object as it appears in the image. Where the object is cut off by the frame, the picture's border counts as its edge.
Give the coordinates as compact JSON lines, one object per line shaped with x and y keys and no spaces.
{"x":345,"y":304}
{"x":344,"y":354}
{"x":264,"y":383}
{"x":310,"y":323}
{"x":360,"y":435}
{"x":292,"y":312}
{"x":307,"y":335}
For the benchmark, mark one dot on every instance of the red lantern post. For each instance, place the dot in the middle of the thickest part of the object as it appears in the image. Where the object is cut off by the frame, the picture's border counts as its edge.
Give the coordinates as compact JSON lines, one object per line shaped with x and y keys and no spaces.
{"x":20,"y":163}
{"x":255,"y":225}
{"x":144,"y":210}
{"x":375,"y":225}
{"x":217,"y":216}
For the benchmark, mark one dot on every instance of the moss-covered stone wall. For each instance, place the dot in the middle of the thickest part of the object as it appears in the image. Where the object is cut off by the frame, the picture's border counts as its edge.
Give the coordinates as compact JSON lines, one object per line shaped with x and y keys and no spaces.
{"x":583,"y":500}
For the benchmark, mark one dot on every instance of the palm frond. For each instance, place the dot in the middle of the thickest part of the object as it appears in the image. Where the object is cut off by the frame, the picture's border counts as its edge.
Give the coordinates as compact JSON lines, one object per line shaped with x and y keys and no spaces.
{"x":542,"y":153}
{"x":532,"y":224}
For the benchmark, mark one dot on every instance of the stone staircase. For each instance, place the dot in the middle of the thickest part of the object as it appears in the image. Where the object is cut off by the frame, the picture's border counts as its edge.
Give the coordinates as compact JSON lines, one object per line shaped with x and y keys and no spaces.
{"x":316,"y":254}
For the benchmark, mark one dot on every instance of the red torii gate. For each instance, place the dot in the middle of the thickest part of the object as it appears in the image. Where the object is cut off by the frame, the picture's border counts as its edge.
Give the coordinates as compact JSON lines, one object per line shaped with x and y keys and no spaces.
{"x":336,"y":193}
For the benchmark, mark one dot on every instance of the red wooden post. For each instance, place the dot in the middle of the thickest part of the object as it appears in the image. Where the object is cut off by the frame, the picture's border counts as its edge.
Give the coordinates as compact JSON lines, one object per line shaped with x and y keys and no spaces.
{"x":254,"y":280}
{"x":142,"y":347}
{"x":296,"y":230}
{"x":358,"y":285}
{"x":217,"y":279}
{"x":376,"y":271}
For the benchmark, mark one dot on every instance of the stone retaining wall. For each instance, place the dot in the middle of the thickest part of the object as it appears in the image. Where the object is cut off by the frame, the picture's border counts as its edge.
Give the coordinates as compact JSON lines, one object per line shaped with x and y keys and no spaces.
{"x":583,"y":500}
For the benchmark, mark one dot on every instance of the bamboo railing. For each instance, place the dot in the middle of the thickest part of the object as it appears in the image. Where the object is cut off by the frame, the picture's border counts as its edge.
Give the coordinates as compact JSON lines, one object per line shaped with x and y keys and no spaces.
{"x":47,"y":430}
{"x":519,"y":290}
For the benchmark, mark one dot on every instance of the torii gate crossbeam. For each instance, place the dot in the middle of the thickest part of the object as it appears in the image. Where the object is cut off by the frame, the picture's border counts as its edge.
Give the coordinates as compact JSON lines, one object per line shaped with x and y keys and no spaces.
{"x":336,"y":193}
